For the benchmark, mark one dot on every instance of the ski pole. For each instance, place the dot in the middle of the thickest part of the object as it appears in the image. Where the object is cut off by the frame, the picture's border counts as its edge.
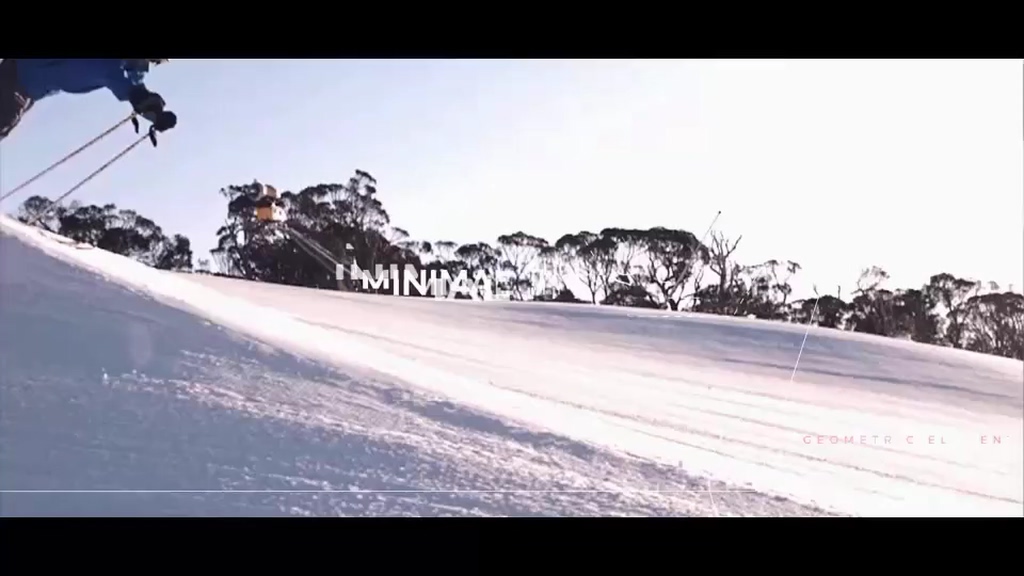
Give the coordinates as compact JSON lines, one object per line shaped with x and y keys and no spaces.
{"x":129,"y":118}
{"x":710,"y":226}
{"x":701,"y":243}
{"x":40,"y":215}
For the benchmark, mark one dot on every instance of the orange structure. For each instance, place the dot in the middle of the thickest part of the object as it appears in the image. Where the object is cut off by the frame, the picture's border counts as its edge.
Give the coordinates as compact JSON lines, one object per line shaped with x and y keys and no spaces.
{"x":266,"y":203}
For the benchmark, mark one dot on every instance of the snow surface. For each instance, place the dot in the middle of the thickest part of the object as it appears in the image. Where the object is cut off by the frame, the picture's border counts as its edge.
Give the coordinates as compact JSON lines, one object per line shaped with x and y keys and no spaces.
{"x":132,"y":391}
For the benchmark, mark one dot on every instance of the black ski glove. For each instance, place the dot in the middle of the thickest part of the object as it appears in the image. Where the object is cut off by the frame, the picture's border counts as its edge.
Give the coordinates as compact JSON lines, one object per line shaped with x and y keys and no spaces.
{"x":150,"y":106}
{"x":145,"y":102}
{"x":164,"y":120}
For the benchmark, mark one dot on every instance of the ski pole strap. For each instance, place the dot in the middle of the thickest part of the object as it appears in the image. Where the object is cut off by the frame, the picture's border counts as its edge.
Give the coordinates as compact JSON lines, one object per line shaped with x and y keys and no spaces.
{"x":40,"y":215}
{"x":23,"y":185}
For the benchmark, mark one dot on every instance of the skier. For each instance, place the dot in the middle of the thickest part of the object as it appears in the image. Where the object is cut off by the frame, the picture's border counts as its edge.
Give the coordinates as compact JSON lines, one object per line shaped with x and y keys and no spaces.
{"x":23,"y":82}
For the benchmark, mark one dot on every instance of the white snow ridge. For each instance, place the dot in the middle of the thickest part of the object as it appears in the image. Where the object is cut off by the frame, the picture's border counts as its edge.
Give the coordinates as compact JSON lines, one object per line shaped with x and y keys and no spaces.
{"x":126,"y":390}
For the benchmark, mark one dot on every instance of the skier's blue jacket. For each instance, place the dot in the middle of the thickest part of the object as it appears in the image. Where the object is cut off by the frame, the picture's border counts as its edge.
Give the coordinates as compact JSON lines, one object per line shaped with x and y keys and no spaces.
{"x":39,"y":78}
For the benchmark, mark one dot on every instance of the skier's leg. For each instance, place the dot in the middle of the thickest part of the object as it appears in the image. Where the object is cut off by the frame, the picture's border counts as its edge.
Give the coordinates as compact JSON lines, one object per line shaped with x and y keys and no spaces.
{"x":13,"y":104}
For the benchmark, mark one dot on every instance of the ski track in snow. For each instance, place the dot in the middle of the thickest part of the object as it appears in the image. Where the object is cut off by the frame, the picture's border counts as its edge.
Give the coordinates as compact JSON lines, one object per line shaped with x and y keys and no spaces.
{"x":117,"y":377}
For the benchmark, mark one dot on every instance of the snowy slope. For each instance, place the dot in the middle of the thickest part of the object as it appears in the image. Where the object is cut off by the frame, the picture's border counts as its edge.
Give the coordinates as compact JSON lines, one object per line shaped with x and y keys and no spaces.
{"x":118,"y":377}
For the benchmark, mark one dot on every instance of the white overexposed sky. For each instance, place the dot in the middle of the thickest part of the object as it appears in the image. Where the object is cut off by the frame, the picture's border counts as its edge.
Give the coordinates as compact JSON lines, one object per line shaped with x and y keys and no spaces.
{"x":915,"y":166}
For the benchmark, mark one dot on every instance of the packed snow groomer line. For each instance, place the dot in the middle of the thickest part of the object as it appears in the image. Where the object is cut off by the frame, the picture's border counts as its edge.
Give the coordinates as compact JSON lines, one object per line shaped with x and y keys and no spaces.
{"x":25,"y":81}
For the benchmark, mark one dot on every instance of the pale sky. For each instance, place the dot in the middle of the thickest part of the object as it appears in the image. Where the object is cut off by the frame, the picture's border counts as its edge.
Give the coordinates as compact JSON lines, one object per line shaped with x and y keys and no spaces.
{"x":924,"y":158}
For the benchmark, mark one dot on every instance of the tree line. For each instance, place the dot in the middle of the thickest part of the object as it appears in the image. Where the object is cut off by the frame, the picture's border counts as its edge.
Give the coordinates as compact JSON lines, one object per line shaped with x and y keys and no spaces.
{"x":106,"y":227}
{"x":660,"y":268}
